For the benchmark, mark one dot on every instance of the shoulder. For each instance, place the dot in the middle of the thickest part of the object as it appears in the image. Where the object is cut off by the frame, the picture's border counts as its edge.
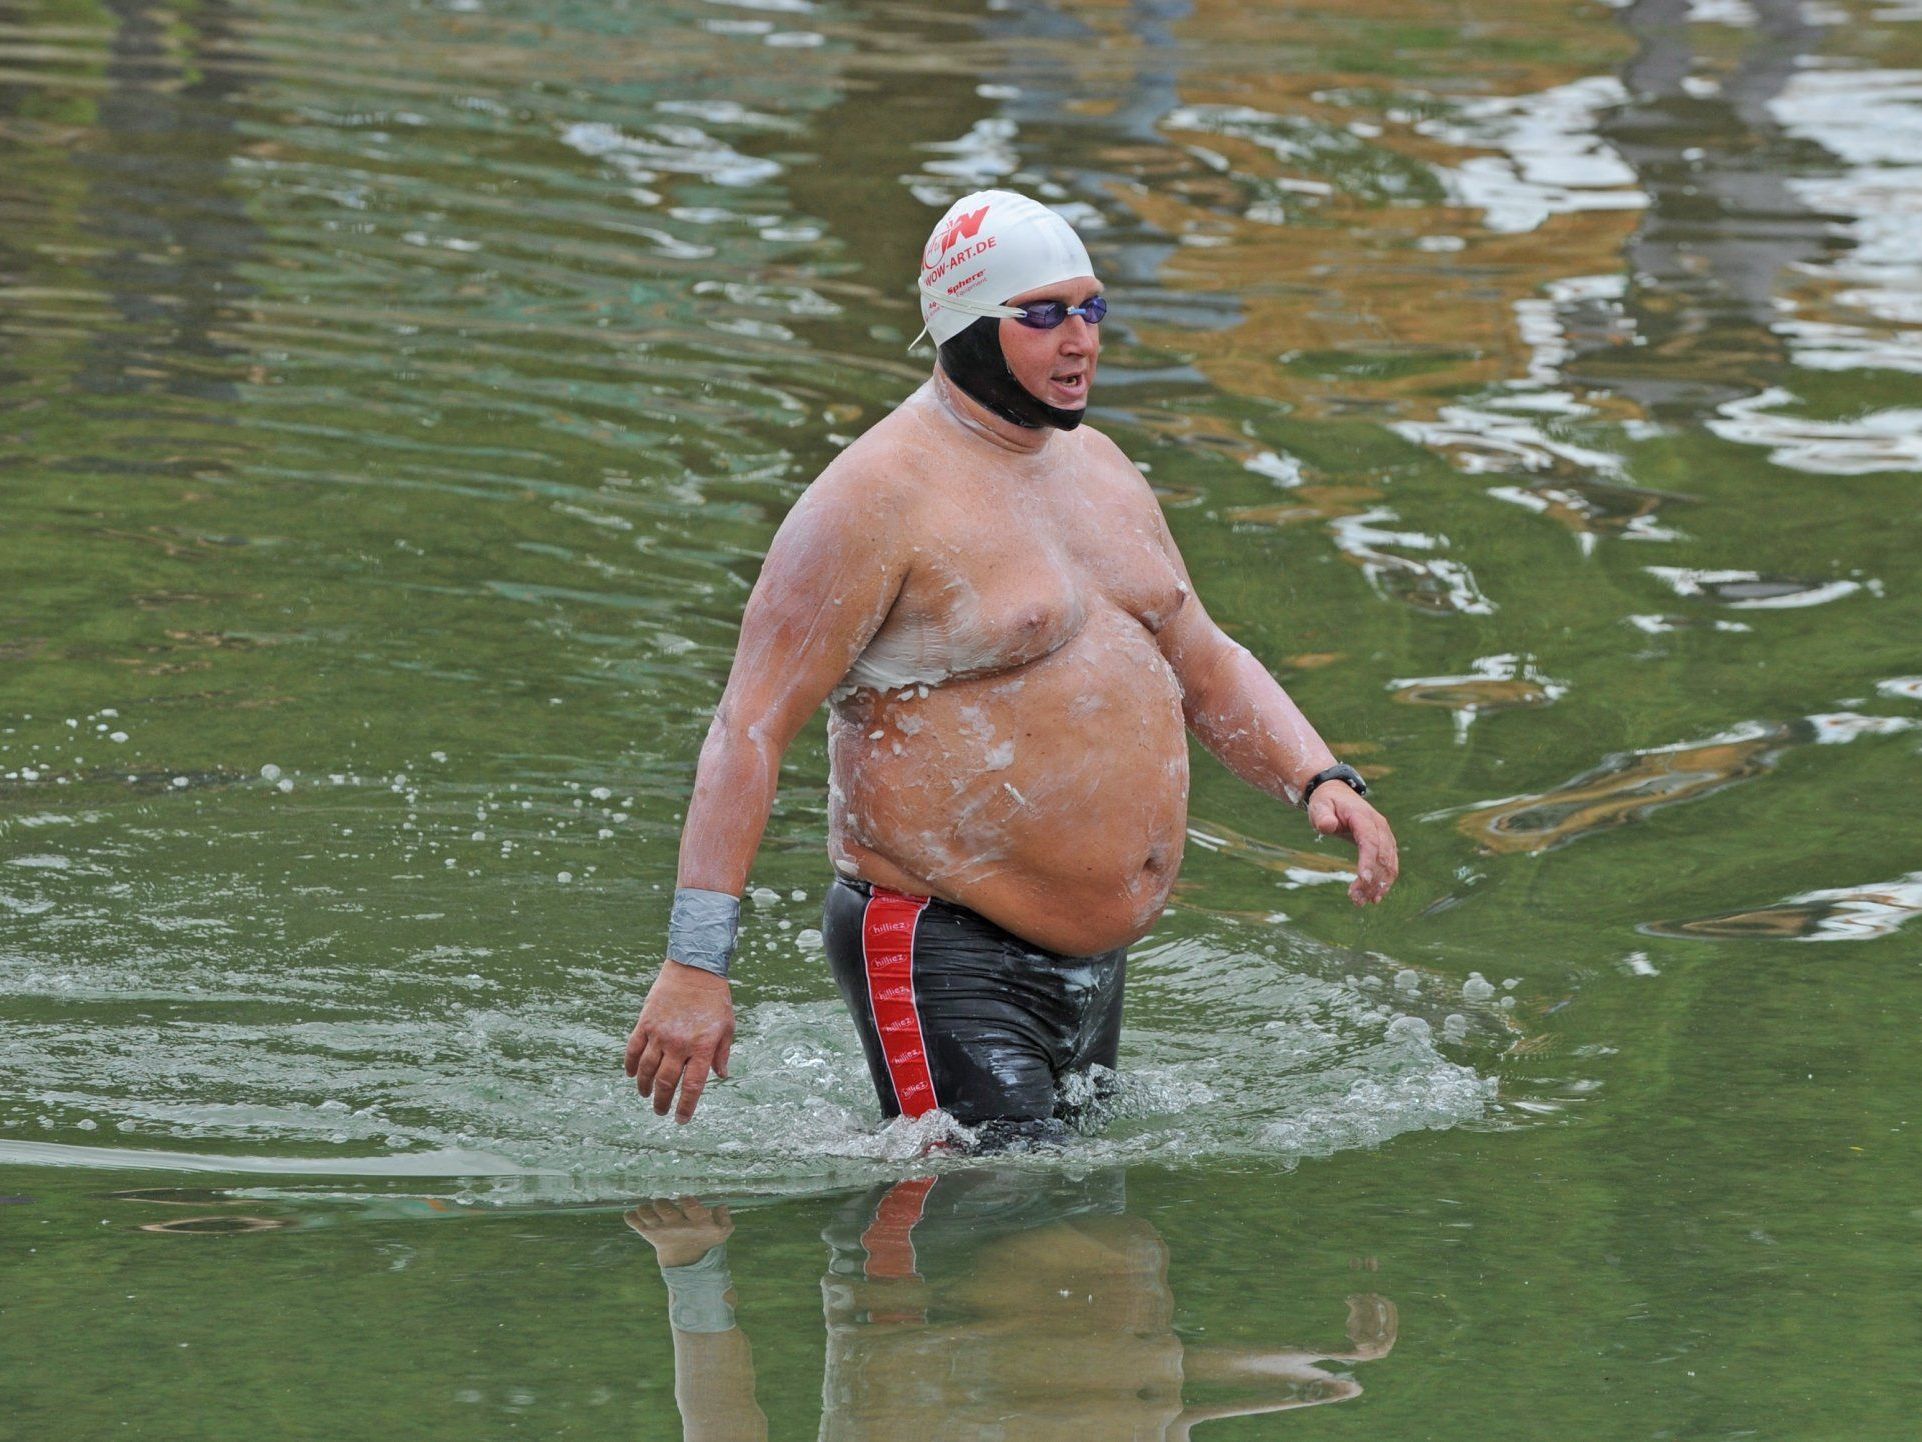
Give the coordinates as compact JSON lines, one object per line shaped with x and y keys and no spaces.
{"x":867,"y":497}
{"x":1099,"y":449}
{"x":1107,"y":467}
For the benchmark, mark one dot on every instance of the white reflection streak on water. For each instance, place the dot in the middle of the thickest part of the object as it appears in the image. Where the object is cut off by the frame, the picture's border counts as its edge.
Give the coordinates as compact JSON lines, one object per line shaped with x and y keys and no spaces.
{"x":1871,"y":122}
{"x":1552,"y":163}
{"x":1749,"y":591}
{"x":1551,"y":160}
{"x":1885,"y":440}
{"x":1861,"y":913}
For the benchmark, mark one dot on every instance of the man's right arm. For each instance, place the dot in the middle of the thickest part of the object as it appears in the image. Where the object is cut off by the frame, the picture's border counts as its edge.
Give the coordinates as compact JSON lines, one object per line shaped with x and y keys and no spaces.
{"x":830,"y":578}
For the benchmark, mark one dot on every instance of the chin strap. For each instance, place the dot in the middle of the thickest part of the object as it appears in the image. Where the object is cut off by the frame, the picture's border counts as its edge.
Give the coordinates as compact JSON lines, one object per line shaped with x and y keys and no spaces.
{"x":974,"y":361}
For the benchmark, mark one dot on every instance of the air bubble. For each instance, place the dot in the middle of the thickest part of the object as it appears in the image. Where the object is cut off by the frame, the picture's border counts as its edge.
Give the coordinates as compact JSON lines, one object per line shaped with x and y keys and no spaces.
{"x":1408,"y":1028}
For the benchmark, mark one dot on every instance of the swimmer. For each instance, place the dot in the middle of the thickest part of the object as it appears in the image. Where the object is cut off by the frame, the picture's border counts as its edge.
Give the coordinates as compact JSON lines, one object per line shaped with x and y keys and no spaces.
{"x":984,"y":592}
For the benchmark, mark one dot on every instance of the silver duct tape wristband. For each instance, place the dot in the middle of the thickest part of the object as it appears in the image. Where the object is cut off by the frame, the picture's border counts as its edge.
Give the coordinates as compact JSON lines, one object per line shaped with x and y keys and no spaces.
{"x":701,"y":929}
{"x":697,"y":1294}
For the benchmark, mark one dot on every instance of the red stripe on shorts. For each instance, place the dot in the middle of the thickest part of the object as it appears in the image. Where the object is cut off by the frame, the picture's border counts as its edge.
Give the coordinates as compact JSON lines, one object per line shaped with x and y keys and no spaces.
{"x":887,"y":947}
{"x":889,"y":1239}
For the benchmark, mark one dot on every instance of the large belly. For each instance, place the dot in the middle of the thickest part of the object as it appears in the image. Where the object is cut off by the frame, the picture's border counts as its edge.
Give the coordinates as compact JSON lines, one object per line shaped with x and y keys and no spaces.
{"x":1052,"y":799}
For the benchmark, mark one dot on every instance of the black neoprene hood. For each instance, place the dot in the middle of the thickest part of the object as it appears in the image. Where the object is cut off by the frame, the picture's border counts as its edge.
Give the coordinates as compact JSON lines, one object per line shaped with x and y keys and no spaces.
{"x":973,"y":360}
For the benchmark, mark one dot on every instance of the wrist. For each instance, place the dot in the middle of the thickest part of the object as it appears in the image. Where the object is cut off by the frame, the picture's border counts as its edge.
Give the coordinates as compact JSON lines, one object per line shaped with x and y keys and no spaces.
{"x":1339,"y":774}
{"x":701,"y":929}
{"x":694,"y":975}
{"x":680,"y":1253}
{"x":698,"y":1293}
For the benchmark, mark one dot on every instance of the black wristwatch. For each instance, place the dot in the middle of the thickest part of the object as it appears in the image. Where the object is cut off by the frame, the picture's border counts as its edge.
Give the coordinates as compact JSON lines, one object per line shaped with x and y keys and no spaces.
{"x":1336,"y":772}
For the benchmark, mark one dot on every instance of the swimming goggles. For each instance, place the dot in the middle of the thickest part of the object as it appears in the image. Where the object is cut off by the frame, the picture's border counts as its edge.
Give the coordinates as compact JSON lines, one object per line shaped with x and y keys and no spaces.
{"x":1035,"y":314}
{"x":1047,"y":314}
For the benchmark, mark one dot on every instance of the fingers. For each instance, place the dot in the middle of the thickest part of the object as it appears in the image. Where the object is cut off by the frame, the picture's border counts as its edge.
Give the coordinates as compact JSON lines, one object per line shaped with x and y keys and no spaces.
{"x":1377,"y":861}
{"x":644,"y":1217}
{"x":665,"y":1080}
{"x":1362,"y":889}
{"x":693,"y":1083}
{"x":1390,"y":856}
{"x":646,"y":1065}
{"x":663,"y":1063}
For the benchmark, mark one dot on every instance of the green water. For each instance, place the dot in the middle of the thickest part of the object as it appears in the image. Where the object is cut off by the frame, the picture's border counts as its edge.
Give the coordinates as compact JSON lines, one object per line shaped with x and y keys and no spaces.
{"x":395,"y":403}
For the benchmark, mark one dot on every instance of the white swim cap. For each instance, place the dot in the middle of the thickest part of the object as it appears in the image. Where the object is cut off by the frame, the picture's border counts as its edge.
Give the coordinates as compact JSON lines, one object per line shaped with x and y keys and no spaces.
{"x":991,"y":245}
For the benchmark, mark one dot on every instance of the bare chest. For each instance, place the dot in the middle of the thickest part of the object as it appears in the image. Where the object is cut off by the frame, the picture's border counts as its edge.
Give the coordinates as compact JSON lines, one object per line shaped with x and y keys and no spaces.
{"x":1003,"y":592}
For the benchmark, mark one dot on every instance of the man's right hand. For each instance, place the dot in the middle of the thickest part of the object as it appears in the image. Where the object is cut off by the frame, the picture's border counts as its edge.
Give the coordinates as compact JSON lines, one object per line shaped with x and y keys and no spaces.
{"x":685,"y":1032}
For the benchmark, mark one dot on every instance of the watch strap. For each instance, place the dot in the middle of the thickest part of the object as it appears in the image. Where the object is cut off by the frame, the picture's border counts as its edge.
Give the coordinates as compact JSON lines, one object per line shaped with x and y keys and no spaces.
{"x":1338,"y":772}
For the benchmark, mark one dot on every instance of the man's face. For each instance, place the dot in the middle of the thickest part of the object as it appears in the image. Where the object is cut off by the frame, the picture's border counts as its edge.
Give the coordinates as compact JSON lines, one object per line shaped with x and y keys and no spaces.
{"x":1055,"y":365}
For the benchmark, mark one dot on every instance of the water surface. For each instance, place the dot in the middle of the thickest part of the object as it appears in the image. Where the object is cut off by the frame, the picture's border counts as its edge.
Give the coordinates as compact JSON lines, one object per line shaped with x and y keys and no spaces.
{"x":394,"y":408}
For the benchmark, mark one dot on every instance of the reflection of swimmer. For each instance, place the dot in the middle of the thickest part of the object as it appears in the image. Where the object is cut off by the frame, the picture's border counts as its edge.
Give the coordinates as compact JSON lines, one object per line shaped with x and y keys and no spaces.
{"x":985,"y":1303}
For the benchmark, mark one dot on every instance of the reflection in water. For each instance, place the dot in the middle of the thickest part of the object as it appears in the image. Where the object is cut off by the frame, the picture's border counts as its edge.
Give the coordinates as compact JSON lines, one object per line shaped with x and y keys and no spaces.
{"x":1885,"y":440}
{"x":1859,"y":310}
{"x":1623,"y":788}
{"x":1546,"y":160}
{"x":996,"y":1302}
{"x":1629,"y":785}
{"x":1426,"y":582}
{"x":1494,"y":683}
{"x":1720,"y":229}
{"x":1841,"y":913}
{"x":220,"y":1226}
{"x":1295,"y":867}
{"x":1748,"y":591}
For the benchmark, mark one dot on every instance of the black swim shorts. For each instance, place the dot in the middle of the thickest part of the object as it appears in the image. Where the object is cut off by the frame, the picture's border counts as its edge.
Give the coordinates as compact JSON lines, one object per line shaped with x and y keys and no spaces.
{"x":956,"y":1013}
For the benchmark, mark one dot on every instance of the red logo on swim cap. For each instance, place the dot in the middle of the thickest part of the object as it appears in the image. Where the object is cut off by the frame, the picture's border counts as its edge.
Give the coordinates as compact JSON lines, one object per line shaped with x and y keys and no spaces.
{"x":962,"y":227}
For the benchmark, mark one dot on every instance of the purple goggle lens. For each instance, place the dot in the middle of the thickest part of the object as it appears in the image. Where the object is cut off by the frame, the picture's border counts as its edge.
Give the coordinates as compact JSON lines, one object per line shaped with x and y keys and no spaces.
{"x":1047,"y":314}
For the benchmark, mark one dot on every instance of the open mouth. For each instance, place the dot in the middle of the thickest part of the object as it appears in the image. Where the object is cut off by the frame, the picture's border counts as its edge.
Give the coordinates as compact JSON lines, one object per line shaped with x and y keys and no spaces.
{"x":1074,"y":385}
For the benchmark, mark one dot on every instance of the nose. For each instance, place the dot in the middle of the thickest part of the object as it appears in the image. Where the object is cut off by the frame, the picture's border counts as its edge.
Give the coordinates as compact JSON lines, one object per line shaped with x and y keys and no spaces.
{"x":1077,"y":335}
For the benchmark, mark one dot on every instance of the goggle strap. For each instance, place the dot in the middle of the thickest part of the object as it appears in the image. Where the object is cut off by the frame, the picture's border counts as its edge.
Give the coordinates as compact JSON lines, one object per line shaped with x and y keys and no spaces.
{"x":969,"y":307}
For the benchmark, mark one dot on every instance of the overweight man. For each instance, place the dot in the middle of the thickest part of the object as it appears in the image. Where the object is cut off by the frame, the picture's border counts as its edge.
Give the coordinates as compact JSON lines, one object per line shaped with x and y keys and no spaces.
{"x":985,"y":593}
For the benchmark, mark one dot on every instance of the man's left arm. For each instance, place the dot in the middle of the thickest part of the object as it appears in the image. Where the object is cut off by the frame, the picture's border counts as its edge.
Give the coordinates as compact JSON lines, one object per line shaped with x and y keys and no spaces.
{"x":1244,"y":717}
